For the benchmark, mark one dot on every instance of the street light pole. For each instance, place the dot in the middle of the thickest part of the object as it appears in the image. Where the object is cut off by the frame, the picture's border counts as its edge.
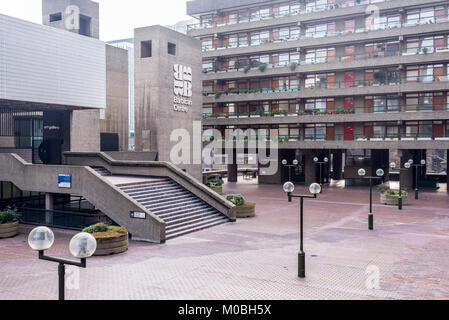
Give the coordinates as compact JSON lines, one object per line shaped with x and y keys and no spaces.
{"x":380,"y":173}
{"x":82,"y":246}
{"x":407,"y":166}
{"x":321,"y":163}
{"x":417,"y":166}
{"x":314,"y":189}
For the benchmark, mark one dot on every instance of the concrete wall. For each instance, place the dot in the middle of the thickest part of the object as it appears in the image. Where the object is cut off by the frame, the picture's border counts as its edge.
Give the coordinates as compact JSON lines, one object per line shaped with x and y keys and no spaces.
{"x":155,"y":116}
{"x":86,"y":8}
{"x":85,"y":131}
{"x":116,"y":116}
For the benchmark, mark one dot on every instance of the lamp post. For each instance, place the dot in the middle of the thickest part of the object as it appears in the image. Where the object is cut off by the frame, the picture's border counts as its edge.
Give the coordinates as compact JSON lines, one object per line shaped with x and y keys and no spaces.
{"x":314,"y":189}
{"x":421,"y":164}
{"x":380,"y":173}
{"x":290,"y":166}
{"x":82,"y":246}
{"x":407,"y":166}
{"x":321,"y":163}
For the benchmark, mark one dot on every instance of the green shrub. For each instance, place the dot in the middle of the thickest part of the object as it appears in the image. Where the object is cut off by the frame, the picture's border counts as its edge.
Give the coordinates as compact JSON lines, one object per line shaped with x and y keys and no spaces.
{"x":246,"y":69}
{"x":236,"y":199}
{"x":9,"y":215}
{"x":293,"y":66}
{"x":99,"y":227}
{"x":214,"y":183}
{"x":262,"y":67}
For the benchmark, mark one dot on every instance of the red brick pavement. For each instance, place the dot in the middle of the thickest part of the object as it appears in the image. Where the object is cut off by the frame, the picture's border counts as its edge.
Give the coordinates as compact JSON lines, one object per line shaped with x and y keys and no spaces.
{"x":257,"y":258}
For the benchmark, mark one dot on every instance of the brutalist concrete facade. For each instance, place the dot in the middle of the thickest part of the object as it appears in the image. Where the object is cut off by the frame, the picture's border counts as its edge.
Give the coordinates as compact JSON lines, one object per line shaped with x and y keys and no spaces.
{"x":168,"y":94}
{"x":350,"y":34}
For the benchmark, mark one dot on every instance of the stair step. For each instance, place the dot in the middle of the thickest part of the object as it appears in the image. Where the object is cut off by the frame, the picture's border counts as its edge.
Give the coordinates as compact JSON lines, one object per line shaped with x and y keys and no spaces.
{"x":183,"y":231}
{"x":174,"y":200}
{"x":176,"y":206}
{"x":192,"y":221}
{"x":178,"y":209}
{"x":148,"y":186}
{"x":175,"y":218}
{"x":167,"y":197}
{"x":166,"y":190}
{"x":194,"y":210}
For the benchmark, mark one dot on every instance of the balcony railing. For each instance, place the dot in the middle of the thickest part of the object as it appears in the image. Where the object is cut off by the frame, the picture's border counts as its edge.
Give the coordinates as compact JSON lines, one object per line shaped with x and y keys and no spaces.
{"x":309,"y":8}
{"x":216,"y":67}
{"x":324,"y":84}
{"x":333,"y":137}
{"x":381,"y":109}
{"x":333,"y":33}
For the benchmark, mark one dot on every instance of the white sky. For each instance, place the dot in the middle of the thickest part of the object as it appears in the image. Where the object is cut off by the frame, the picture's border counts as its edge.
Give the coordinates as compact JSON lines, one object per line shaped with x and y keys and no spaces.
{"x":118,"y":18}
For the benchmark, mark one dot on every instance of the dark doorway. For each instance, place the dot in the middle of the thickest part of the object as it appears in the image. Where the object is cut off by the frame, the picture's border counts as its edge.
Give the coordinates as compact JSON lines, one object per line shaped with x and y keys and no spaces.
{"x":109,"y":142}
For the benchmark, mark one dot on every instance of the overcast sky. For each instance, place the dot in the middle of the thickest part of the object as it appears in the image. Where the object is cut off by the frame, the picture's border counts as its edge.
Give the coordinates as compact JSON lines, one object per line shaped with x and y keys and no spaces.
{"x":118,"y":18}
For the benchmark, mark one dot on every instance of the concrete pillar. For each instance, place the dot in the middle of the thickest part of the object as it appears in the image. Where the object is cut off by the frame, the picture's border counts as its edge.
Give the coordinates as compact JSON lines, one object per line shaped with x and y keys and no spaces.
{"x":406,"y":175}
{"x":310,"y":168}
{"x":49,"y":205}
{"x":447,"y":171}
{"x":233,"y":168}
{"x":337,"y":165}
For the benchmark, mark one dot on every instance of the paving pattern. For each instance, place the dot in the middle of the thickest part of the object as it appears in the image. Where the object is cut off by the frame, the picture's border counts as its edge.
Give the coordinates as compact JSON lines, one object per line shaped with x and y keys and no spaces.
{"x":405,"y":257}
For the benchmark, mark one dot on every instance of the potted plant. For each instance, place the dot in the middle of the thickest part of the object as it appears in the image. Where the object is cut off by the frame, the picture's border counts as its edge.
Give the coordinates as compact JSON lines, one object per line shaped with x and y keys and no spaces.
{"x":391,"y":197}
{"x":293,"y":66}
{"x":110,"y":239}
{"x":9,"y":223}
{"x":425,"y":50}
{"x":245,"y":209}
{"x":216,"y":185}
{"x":218,"y":95}
{"x":246,"y":69}
{"x":262,"y":67}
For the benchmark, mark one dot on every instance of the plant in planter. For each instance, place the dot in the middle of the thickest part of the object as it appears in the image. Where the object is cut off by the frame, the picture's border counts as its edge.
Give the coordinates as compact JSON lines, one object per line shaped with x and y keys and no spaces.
{"x":246,"y":69}
{"x":391,"y":197}
{"x":244,"y":209}
{"x":262,"y":67}
{"x":425,"y":50}
{"x":293,"y":66}
{"x":216,"y":185}
{"x":9,"y":223}
{"x":110,"y":239}
{"x":218,"y":95}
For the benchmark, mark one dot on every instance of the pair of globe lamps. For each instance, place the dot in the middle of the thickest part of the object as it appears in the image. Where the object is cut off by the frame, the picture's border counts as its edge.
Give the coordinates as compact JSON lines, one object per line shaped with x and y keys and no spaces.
{"x":82,"y":245}
{"x":379,"y":172}
{"x":314,"y":188}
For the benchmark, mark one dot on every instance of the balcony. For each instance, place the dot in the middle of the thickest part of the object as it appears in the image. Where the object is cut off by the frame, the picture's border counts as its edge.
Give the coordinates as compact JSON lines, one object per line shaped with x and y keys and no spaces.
{"x":342,"y":141}
{"x":307,"y":12}
{"x":313,"y":39}
{"x":331,"y":63}
{"x":323,"y":88}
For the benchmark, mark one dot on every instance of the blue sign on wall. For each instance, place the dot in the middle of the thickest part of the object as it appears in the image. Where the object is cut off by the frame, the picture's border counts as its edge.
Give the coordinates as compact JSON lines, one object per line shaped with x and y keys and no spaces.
{"x":65,"y":181}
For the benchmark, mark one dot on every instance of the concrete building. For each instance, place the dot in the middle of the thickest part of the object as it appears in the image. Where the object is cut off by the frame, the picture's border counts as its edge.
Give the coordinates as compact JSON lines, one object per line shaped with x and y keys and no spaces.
{"x":64,"y":98}
{"x":355,"y":81}
{"x":168,"y":94}
{"x":83,"y":17}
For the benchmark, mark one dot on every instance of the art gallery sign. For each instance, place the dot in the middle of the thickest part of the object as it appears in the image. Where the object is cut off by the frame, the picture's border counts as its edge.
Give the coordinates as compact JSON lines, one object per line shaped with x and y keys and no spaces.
{"x":182,"y":88}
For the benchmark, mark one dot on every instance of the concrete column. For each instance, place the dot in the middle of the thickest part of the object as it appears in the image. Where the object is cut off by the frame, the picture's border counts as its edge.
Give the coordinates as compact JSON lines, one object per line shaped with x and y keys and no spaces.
{"x":49,"y":205}
{"x":337,"y":165}
{"x":310,"y":168}
{"x":406,"y":175}
{"x":447,"y":171}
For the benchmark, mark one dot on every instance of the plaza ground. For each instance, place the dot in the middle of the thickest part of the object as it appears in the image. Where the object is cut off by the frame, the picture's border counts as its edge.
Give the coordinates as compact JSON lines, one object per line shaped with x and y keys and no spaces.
{"x":257,"y":258}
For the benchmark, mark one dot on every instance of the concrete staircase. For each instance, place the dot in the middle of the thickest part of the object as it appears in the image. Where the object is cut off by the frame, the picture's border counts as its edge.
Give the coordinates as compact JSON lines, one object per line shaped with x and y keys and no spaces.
{"x":102,"y":171}
{"x":182,"y":211}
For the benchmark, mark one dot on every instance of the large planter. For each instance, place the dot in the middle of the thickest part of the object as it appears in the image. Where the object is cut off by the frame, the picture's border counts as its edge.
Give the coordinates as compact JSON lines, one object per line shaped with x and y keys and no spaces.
{"x":392,"y":200}
{"x":218,"y":189}
{"x":246,"y":210}
{"x":113,"y":245}
{"x":9,"y":230}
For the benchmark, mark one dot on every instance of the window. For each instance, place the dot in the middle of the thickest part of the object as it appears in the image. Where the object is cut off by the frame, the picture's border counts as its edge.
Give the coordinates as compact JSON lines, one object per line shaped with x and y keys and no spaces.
{"x":146,"y":49}
{"x":172,"y":49}
{"x":85,"y":26}
{"x":206,"y":44}
{"x":349,"y":26}
{"x":56,"y":17}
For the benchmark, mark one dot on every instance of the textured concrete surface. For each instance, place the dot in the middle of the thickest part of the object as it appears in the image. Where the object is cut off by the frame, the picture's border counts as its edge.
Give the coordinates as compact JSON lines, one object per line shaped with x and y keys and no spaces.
{"x":257,"y":258}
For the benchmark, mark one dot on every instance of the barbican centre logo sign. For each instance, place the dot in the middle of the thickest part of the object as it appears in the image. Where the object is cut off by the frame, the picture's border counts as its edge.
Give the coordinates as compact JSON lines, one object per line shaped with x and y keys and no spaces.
{"x":182,"y":88}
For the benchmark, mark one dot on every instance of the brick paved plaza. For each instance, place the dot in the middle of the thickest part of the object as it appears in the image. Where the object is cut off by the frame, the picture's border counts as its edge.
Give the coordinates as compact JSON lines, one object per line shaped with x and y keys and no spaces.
{"x":257,"y":258}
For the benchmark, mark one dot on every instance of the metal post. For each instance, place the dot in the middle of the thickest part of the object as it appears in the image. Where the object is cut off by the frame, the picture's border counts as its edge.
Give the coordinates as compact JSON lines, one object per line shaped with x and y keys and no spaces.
{"x":370,"y":215}
{"x":321,"y":176}
{"x":61,"y":272}
{"x":417,"y":185}
{"x":301,"y":255}
{"x":400,"y":190}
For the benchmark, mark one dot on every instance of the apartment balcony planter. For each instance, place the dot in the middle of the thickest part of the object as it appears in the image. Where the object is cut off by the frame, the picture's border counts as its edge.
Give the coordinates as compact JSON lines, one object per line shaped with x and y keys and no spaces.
{"x":442,"y":139}
{"x":9,"y":230}
{"x":110,"y":239}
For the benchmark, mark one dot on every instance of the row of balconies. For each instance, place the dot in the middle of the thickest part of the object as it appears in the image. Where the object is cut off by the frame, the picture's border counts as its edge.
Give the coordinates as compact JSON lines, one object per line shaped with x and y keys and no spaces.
{"x":371,"y":33}
{"x":330,"y":89}
{"x":329,"y":63}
